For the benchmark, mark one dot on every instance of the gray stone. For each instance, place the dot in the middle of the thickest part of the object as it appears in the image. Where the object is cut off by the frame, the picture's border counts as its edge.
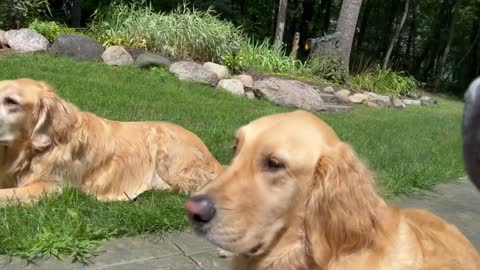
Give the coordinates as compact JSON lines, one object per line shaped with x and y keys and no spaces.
{"x":189,"y":243}
{"x":246,"y":80}
{"x":342,"y":95}
{"x":289,"y":93}
{"x":397,"y":102}
{"x":117,"y":56}
{"x":427,"y":101}
{"x":211,"y":261}
{"x":250,"y":94}
{"x":191,"y":71}
{"x":220,"y":70}
{"x":411,"y":102}
{"x":2,"y":38}
{"x":380,"y":100}
{"x":329,"y":90}
{"x":358,"y":98}
{"x":233,"y":86}
{"x":152,"y":60}
{"x":78,"y":47}
{"x":26,"y":40}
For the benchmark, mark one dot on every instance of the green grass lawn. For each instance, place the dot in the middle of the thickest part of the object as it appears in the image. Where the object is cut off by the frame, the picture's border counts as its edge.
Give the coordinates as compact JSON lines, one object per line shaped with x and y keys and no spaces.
{"x":411,"y":149}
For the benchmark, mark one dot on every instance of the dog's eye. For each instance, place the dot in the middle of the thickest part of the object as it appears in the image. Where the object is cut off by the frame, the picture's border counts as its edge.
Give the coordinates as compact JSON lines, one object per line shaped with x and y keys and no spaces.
{"x":10,"y":101}
{"x":273,"y":163}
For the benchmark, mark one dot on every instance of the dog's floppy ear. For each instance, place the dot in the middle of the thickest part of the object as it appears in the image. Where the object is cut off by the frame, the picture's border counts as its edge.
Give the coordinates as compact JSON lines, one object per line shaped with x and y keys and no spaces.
{"x":342,"y":207}
{"x":51,"y":119}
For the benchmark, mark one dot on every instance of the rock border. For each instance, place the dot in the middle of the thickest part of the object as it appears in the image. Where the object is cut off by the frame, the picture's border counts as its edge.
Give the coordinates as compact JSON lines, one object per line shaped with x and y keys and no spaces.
{"x":281,"y":91}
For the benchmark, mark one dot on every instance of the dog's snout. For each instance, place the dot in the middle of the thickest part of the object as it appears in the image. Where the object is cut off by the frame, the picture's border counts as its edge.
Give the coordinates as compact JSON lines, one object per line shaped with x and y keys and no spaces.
{"x":200,"y":209}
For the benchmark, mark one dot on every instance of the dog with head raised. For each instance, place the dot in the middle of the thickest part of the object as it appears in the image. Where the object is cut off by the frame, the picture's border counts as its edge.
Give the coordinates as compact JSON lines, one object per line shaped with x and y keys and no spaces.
{"x":295,"y":197}
{"x":47,"y":143}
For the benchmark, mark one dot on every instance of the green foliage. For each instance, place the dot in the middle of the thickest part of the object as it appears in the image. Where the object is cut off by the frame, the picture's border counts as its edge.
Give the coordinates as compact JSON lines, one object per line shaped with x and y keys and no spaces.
{"x":182,"y":33}
{"x":51,"y":29}
{"x":18,"y":13}
{"x":385,"y":82}
{"x":327,"y":68}
{"x":235,"y":62}
{"x":266,"y":58}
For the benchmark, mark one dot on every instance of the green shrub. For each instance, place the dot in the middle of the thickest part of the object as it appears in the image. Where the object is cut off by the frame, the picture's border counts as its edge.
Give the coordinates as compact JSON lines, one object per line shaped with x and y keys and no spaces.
{"x":327,"y":68}
{"x":51,"y":29}
{"x":266,"y":58}
{"x":183,"y":33}
{"x":385,"y":82}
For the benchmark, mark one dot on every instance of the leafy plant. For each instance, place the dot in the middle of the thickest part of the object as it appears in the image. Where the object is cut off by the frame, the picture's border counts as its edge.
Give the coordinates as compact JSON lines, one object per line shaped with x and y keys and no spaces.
{"x":385,"y":81}
{"x":327,"y":68}
{"x":235,"y":62}
{"x":48,"y":29}
{"x":16,"y":13}
{"x":266,"y":58}
{"x":184,"y":33}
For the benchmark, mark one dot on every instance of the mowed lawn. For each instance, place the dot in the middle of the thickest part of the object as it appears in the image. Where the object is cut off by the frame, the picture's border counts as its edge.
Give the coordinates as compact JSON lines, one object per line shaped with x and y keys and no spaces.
{"x":411,"y":149}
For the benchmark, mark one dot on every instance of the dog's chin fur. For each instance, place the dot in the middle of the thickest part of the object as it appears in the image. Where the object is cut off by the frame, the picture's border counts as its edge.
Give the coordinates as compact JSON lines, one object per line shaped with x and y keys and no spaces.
{"x":332,"y":215}
{"x":59,"y":145}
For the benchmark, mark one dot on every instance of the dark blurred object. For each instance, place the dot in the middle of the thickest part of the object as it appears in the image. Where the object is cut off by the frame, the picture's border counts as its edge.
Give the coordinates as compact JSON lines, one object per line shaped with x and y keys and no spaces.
{"x":471,"y":132}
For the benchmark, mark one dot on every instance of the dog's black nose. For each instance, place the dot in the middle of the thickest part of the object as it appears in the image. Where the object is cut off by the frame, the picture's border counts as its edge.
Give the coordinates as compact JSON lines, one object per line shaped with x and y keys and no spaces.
{"x":200,"y":209}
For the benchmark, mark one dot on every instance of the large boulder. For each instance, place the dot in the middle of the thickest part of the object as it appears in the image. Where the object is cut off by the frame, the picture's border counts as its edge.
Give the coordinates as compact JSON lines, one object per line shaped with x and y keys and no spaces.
{"x":152,"y":60}
{"x":78,"y":47}
{"x":191,"y":71}
{"x":3,"y":41}
{"x":380,"y":100}
{"x":221,"y":70}
{"x":358,"y":98}
{"x":233,"y":86}
{"x":117,"y":56}
{"x":25,"y":40}
{"x":246,"y":80}
{"x":289,"y":93}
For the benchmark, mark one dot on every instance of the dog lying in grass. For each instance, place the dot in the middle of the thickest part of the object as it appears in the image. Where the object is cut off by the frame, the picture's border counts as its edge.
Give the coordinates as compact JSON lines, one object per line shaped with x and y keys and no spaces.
{"x":297,"y":197}
{"x":47,"y":143}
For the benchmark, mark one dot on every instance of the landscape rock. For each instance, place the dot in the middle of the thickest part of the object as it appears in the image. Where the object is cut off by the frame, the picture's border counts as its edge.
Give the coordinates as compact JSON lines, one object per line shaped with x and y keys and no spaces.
{"x":372,"y":104}
{"x":2,"y":38}
{"x":246,"y":80}
{"x":380,"y":100}
{"x":411,"y":102}
{"x":233,"y":86}
{"x":117,"y":56}
{"x":78,"y":47}
{"x":358,"y":98}
{"x":25,"y":40}
{"x":221,"y":70}
{"x":427,"y":101}
{"x":152,"y":60}
{"x":289,"y":93}
{"x":250,"y":95}
{"x":191,"y":71}
{"x":329,"y":90}
{"x":397,"y":102}
{"x":342,"y":95}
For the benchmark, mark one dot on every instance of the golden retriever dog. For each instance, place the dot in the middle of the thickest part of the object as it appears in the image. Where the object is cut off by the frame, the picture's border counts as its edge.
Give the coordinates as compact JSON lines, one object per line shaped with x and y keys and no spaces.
{"x":297,"y":197}
{"x":47,"y":143}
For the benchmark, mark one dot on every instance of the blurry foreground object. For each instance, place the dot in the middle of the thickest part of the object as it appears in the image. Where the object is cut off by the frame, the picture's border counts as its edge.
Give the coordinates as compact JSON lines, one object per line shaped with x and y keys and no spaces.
{"x":471,"y":132}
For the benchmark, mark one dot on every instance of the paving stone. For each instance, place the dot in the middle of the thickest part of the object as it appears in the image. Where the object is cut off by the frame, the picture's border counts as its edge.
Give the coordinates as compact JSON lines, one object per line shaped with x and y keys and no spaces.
{"x":179,"y":262}
{"x":211,"y":261}
{"x":189,"y":243}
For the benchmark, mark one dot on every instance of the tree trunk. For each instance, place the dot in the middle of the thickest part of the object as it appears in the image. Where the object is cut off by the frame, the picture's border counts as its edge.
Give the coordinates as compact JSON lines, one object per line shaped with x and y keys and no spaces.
{"x":396,"y":35}
{"x":346,"y":25}
{"x":326,"y":15}
{"x":363,"y":24}
{"x":77,"y":13}
{"x":443,"y":60}
{"x":281,"y":17}
{"x":313,"y":21}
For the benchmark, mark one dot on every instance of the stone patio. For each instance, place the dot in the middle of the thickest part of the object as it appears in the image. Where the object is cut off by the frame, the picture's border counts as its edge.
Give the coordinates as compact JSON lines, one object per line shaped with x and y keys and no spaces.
{"x":458,"y":203}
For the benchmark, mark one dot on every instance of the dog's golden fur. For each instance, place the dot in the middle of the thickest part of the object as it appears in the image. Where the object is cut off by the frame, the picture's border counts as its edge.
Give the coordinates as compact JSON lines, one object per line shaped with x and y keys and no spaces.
{"x":47,"y":143}
{"x":296,"y":197}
